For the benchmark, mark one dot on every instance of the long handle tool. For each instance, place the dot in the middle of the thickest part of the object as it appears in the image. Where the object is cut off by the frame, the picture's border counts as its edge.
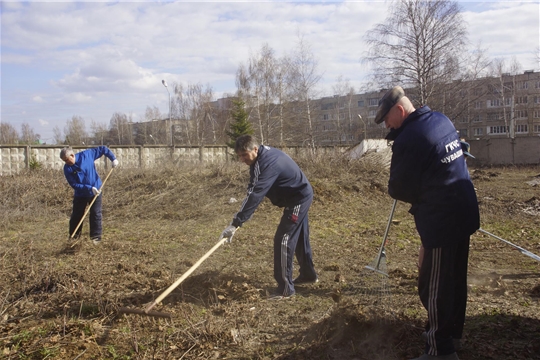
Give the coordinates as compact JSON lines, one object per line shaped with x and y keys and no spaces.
{"x":522,"y":250}
{"x":147,"y":311}
{"x":382,"y":254}
{"x":89,"y":207}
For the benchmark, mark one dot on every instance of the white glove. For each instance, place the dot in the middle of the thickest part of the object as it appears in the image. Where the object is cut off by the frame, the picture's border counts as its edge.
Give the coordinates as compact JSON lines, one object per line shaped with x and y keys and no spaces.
{"x":228,"y":233}
{"x":95,"y":191}
{"x":115,"y":163}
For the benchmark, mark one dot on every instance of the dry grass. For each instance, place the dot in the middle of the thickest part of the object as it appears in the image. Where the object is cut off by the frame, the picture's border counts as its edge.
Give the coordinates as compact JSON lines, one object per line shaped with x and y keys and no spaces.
{"x":61,"y":302}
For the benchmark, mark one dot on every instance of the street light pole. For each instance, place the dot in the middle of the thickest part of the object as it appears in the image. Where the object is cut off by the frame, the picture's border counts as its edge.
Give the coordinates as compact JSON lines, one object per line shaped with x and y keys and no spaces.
{"x":169,"y":125}
{"x":365,"y":132}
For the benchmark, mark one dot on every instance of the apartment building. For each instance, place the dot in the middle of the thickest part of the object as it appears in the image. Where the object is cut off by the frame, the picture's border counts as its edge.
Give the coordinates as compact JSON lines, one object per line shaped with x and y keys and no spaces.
{"x":495,"y":107}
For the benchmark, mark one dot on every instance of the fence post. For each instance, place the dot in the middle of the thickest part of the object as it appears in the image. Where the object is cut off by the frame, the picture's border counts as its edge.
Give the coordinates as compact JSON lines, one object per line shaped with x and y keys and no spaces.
{"x":27,"y":157}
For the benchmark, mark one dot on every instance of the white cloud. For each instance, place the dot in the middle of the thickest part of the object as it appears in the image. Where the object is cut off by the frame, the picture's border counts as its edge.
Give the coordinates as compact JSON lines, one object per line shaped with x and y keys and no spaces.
{"x":43,"y":122}
{"x":95,"y":58}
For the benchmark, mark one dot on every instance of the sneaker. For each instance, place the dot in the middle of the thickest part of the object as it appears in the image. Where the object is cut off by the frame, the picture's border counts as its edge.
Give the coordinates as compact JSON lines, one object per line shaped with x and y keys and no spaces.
{"x":96,"y":240}
{"x":452,"y":356}
{"x":300,"y":280}
{"x":457,"y":342}
{"x":278,"y":296}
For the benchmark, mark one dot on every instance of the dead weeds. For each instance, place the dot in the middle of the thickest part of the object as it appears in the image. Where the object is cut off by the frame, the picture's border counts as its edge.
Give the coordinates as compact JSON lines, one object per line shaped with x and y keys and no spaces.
{"x":61,"y":301}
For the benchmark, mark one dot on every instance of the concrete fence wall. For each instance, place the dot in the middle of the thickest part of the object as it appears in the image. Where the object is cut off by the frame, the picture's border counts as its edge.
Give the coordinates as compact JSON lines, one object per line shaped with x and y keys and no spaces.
{"x":14,"y":159}
{"x":506,"y":151}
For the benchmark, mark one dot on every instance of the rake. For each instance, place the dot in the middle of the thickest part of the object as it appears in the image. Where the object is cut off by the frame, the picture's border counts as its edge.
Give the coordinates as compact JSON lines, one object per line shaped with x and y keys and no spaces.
{"x":382,"y":255}
{"x":522,"y":250}
{"x":149,"y":307}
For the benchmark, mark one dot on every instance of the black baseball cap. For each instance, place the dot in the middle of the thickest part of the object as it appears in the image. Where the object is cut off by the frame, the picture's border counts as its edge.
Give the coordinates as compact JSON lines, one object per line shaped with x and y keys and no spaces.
{"x":389,"y":99}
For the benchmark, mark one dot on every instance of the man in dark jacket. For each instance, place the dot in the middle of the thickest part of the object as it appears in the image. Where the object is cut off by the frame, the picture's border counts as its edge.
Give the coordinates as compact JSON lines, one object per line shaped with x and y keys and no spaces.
{"x":428,"y":170}
{"x":80,"y":172}
{"x":275,"y":175}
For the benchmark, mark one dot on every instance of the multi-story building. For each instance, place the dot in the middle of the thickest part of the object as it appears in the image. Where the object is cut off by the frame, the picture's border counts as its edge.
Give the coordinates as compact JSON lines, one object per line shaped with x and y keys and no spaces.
{"x":504,"y":106}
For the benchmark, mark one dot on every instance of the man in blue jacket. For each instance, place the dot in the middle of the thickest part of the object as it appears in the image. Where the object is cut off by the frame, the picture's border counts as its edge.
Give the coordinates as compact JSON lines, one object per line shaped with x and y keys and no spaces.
{"x":428,"y":170}
{"x":80,"y":172}
{"x":275,"y":175}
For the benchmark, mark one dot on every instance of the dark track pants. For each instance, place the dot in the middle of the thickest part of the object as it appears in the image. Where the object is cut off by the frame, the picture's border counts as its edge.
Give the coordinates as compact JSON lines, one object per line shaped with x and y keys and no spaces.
{"x":442,"y":286}
{"x":292,"y":238}
{"x":79,"y":207}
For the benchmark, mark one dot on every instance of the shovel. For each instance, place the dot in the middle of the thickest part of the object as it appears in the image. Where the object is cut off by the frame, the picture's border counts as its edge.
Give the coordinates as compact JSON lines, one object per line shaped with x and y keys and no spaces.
{"x":147,"y":311}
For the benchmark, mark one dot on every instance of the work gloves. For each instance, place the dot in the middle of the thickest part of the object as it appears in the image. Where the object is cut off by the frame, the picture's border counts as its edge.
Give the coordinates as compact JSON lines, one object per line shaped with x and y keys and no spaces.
{"x":95,"y":191}
{"x":228,"y":233}
{"x":115,"y":163}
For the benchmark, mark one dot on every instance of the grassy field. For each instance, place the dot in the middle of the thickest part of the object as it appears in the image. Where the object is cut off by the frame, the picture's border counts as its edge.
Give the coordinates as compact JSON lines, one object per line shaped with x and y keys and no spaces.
{"x":60,"y":300}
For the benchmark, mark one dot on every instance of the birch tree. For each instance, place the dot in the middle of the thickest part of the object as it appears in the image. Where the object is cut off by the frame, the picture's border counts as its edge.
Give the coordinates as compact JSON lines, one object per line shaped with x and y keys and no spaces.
{"x":8,"y":134}
{"x":75,"y":131}
{"x":304,"y":79}
{"x":420,"y":44}
{"x":28,"y":136}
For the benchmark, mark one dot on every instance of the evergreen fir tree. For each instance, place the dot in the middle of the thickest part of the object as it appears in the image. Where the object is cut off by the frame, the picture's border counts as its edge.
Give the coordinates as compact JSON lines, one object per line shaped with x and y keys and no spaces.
{"x":239,"y":125}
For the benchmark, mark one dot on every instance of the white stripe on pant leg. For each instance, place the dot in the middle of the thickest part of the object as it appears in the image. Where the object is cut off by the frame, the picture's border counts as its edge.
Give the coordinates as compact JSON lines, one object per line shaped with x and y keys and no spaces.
{"x":432,"y":298}
{"x":284,"y":255}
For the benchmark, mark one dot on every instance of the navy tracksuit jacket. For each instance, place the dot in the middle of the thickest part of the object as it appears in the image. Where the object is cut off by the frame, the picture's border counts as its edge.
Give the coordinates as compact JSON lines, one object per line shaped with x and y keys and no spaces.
{"x":276,"y":176}
{"x":428,"y":170}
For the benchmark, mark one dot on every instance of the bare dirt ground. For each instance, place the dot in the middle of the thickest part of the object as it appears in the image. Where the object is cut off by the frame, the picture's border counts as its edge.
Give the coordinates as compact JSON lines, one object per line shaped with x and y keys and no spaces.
{"x":59,"y":301}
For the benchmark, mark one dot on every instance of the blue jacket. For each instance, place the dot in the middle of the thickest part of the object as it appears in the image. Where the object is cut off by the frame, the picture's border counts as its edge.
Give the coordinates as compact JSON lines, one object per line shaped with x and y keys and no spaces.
{"x":82,"y":175}
{"x":428,"y":170}
{"x":274,"y":175}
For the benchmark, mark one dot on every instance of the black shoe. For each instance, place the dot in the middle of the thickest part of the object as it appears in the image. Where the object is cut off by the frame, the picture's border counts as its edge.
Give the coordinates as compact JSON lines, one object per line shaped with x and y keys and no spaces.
{"x":304,"y":280}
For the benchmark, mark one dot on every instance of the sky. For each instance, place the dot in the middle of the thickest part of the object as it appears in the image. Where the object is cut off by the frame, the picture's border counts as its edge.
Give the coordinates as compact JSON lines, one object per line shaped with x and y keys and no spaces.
{"x":92,"y":59}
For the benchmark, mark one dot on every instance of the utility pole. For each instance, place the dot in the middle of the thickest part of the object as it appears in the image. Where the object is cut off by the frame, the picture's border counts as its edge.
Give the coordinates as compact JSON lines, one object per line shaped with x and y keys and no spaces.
{"x":168,"y":127}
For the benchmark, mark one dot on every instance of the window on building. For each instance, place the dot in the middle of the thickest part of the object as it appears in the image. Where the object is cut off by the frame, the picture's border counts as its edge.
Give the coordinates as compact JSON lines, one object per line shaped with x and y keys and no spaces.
{"x":507,"y":101}
{"x":537,"y":85}
{"x":493,"y":116}
{"x":522,"y":85}
{"x":477,"y":91}
{"x":498,"y":129}
{"x":478,"y":131}
{"x":493,"y":103}
{"x":521,"y":99}
{"x":477,"y":118}
{"x":478,"y":105}
{"x":360,"y":103}
{"x":522,"y":128}
{"x":373,"y":102}
{"x":536,"y":114}
{"x":326,"y":117}
{"x":536,"y":128}
{"x":536,"y":99}
{"x":328,"y":106}
{"x":521,"y":114}
{"x":463,"y":132}
{"x":372,"y":113}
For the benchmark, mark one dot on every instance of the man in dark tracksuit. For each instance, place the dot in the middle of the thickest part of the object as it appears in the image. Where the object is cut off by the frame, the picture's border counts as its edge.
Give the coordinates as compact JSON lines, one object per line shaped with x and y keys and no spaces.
{"x":428,"y":170}
{"x":80,"y":172}
{"x":275,"y":175}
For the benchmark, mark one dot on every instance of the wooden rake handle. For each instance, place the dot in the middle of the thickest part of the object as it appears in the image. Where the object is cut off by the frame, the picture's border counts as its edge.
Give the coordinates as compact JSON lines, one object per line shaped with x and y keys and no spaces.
{"x":183,"y":277}
{"x":92,"y":203}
